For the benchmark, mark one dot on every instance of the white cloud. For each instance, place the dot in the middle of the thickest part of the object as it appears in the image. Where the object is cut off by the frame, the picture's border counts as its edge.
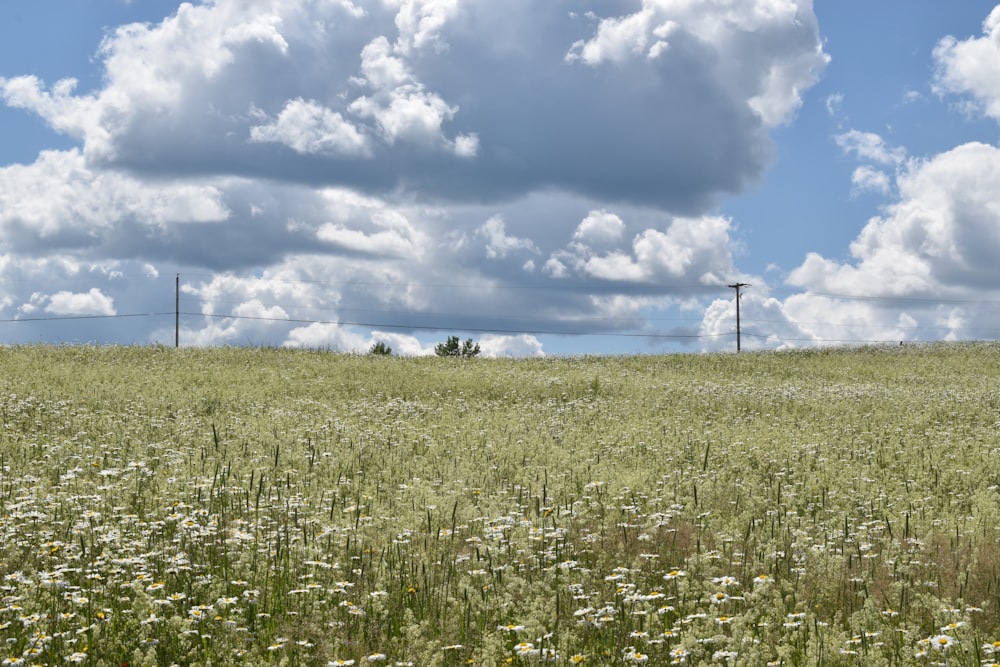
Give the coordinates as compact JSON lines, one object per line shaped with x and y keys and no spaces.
{"x":254,"y":309}
{"x":378,"y":96}
{"x":617,"y":39}
{"x":60,"y":199}
{"x":352,"y":9}
{"x":92,"y":302}
{"x":498,"y":242}
{"x":835,"y":104}
{"x":867,"y":179}
{"x":940,"y":235}
{"x":771,"y":79}
{"x":327,"y":336}
{"x":400,"y":105}
{"x":918,"y":272}
{"x":420,"y":22}
{"x":466,"y":145}
{"x":524,"y":345}
{"x":260,"y":29}
{"x":307,"y":127}
{"x":555,"y":268}
{"x":600,"y":229}
{"x":690,"y":251}
{"x":403,"y":345}
{"x":336,"y":161}
{"x":870,"y":146}
{"x":380,"y":243}
{"x":972,"y":67}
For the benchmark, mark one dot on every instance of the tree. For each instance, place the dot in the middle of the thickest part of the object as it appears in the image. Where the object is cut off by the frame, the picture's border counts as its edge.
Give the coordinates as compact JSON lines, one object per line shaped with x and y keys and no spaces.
{"x":380,"y":349}
{"x":452,"y":348}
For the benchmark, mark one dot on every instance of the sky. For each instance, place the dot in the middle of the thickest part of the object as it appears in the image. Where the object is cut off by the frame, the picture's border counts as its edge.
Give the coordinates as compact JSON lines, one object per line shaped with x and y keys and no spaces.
{"x":547,"y":177}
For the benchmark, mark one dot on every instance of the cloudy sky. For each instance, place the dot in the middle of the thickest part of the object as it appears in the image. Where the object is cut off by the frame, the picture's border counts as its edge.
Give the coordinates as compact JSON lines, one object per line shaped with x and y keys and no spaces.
{"x":545,"y":176}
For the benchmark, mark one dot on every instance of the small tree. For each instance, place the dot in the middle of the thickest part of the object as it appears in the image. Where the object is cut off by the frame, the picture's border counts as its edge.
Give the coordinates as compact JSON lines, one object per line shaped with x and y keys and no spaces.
{"x":380,"y":349}
{"x":452,"y":348}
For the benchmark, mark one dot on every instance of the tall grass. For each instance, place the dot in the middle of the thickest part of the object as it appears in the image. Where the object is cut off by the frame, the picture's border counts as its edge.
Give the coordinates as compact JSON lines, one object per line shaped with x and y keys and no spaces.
{"x":247,"y":506}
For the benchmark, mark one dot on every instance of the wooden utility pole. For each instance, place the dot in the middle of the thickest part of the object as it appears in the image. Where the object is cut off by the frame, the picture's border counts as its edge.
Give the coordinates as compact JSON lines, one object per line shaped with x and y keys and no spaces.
{"x":177,"y":311}
{"x":737,"y":287}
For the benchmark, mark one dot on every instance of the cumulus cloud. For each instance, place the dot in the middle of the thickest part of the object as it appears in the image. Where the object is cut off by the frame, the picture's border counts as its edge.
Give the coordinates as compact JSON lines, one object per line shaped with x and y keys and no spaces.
{"x":442,"y":98}
{"x":307,"y":127}
{"x":600,"y":228}
{"x":59,"y":202}
{"x":971,"y":67}
{"x":698,"y":250}
{"x":314,"y":170}
{"x":920,"y":271}
{"x":940,"y":236}
{"x":92,"y":302}
{"x":498,"y":242}
{"x":524,"y":345}
{"x":771,"y":84}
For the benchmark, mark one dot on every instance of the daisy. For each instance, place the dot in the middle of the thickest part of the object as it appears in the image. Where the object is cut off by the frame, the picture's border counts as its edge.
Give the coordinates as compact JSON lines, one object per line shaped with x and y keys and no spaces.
{"x":511,"y":628}
{"x":718,"y":598}
{"x":525,"y":648}
{"x":634,"y":656}
{"x":943,"y":642}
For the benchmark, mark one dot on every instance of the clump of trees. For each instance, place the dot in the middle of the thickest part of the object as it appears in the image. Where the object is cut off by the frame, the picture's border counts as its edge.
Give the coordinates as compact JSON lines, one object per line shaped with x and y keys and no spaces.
{"x":380,"y":349}
{"x":453,"y":348}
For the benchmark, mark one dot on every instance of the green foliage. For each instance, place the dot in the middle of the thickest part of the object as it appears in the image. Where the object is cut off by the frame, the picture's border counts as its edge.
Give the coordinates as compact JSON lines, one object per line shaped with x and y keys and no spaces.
{"x":380,"y":349}
{"x":245,"y":506}
{"x":452,"y":348}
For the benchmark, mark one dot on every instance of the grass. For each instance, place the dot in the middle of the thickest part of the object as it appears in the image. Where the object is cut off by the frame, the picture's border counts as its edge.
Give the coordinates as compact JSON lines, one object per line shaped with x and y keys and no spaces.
{"x":248,"y":506}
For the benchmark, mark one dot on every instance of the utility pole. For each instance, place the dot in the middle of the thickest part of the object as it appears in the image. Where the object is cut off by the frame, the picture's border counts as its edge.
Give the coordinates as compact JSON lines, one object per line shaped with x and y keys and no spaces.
{"x":737,"y":287}
{"x":177,"y":311}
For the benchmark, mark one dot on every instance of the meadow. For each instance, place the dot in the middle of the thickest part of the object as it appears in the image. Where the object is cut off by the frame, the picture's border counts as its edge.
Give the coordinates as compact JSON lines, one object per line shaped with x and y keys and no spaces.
{"x":265,"y":506}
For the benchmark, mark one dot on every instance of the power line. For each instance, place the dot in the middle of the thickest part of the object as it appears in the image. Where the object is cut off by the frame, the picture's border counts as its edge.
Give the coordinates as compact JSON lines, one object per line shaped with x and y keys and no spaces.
{"x":59,"y":318}
{"x":536,"y":332}
{"x":516,"y":329}
{"x":781,"y":339}
{"x":443,"y":314}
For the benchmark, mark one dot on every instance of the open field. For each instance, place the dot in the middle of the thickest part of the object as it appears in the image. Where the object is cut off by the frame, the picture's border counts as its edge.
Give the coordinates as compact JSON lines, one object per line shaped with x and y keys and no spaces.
{"x":246,"y":506}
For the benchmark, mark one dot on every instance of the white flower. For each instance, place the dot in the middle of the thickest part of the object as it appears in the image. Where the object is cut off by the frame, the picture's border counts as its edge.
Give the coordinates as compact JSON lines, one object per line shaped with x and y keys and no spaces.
{"x":943,"y":642}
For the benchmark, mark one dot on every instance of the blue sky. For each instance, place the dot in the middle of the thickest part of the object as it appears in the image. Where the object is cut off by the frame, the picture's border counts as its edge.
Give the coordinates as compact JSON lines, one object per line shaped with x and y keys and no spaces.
{"x":557,"y":177}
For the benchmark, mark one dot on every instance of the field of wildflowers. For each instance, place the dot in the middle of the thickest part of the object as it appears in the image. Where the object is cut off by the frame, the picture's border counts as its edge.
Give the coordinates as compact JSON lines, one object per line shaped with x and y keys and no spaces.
{"x":247,"y":506}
